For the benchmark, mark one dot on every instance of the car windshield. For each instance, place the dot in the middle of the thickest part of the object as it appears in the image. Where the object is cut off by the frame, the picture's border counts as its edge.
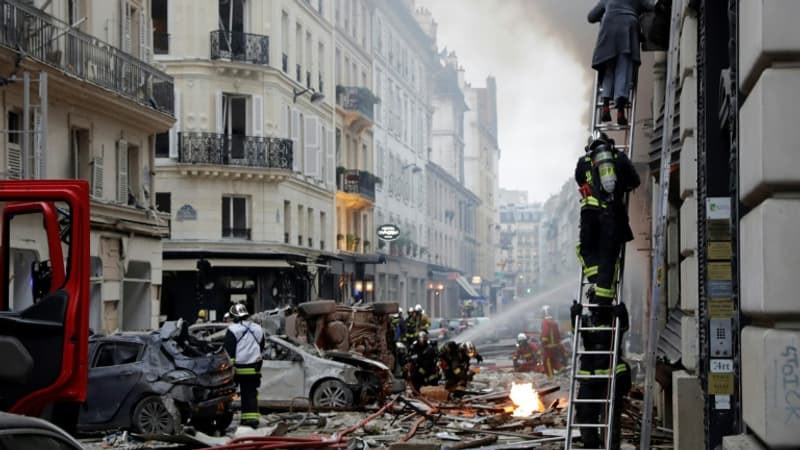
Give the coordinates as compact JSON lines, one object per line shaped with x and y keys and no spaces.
{"x":436,"y":323}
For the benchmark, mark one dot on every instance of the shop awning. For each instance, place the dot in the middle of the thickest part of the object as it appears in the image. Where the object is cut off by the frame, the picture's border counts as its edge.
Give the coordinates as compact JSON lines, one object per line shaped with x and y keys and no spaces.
{"x":470,"y":291}
{"x":183,"y":265}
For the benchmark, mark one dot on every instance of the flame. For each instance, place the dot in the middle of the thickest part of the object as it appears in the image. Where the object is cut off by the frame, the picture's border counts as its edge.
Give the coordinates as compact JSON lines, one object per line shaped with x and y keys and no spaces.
{"x":526,"y":399}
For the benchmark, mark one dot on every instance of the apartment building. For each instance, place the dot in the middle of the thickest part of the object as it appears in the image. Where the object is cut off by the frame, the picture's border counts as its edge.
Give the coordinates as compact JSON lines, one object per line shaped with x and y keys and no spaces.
{"x":403,"y":61}
{"x":519,"y":239}
{"x":481,"y":171}
{"x":248,"y":172}
{"x":82,"y":100}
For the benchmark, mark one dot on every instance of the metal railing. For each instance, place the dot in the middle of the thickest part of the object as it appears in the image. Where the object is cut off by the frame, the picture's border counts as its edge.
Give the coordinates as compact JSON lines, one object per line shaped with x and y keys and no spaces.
{"x":357,"y":99}
{"x":242,"y":47}
{"x":38,"y":35}
{"x":358,"y":182}
{"x":160,"y":43}
{"x":237,"y":233}
{"x":245,"y":151}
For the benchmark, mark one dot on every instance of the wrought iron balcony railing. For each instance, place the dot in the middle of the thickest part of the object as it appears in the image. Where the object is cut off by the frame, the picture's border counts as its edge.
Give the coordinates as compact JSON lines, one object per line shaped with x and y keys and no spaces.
{"x":242,"y":47}
{"x":43,"y":37}
{"x":357,"y":99}
{"x":245,"y":151}
{"x":358,"y":182}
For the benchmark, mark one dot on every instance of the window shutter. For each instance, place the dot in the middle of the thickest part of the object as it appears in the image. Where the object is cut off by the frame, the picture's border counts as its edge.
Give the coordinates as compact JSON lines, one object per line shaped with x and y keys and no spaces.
{"x":97,"y":177}
{"x":258,"y":115}
{"x":125,"y":26}
{"x":286,"y":119}
{"x":311,"y":147}
{"x":39,"y":163}
{"x":14,"y":162}
{"x":174,"y":151}
{"x":122,"y":171}
{"x":218,"y":103}
{"x":295,"y":136}
{"x":144,"y":50}
{"x":331,"y":157}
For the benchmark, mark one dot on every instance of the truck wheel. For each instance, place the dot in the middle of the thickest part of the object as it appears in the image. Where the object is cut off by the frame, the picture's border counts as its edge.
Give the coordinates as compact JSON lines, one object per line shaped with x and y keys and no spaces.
{"x":151,"y":416}
{"x":332,"y":394}
{"x":319,"y":307}
{"x":386,"y":307}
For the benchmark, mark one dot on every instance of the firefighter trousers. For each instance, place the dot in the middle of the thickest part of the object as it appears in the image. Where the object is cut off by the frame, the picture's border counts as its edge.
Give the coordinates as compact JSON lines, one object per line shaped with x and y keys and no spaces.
{"x":595,"y":412}
{"x":598,"y":251}
{"x":248,"y":390}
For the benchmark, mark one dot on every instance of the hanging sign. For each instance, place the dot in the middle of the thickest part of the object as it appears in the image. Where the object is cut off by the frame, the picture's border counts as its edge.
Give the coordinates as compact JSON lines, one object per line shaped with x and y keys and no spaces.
{"x":388,"y":232}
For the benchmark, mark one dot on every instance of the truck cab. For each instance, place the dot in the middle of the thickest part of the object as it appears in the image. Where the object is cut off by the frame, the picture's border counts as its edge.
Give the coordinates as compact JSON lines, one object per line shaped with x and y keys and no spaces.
{"x":44,"y":302}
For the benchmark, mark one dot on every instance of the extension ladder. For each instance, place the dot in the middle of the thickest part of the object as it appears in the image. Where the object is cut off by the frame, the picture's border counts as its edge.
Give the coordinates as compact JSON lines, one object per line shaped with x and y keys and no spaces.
{"x":624,"y":134}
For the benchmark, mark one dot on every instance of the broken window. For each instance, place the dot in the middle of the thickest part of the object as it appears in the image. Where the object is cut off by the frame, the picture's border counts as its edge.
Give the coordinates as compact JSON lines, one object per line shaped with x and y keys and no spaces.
{"x":137,"y":297}
{"x":231,"y":23}
{"x":277,"y":352}
{"x":234,"y":123}
{"x":160,"y":27}
{"x":164,"y":202}
{"x":81,"y":154}
{"x":117,"y":354}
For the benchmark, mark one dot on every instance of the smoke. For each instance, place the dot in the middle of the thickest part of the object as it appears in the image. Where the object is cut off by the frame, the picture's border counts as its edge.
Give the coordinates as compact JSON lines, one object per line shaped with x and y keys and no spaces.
{"x":540,"y":53}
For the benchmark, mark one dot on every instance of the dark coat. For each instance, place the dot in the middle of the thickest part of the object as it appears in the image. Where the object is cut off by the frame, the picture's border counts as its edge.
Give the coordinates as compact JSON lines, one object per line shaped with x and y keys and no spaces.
{"x":619,"y":29}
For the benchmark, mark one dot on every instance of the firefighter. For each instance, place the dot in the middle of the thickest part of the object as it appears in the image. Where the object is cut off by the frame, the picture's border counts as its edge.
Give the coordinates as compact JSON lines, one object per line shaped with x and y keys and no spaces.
{"x":472,"y":352}
{"x":551,"y":343}
{"x":599,"y":364}
{"x":604,"y":175}
{"x":454,"y":363}
{"x":244,"y":342}
{"x":411,"y":328}
{"x":423,"y":321}
{"x":422,"y":366}
{"x":526,"y":356}
{"x":201,"y":316}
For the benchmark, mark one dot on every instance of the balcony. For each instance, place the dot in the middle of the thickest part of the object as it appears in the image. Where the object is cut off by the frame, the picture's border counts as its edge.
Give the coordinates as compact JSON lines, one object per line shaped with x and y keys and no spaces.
{"x":240,"y":47}
{"x":242,"y":151}
{"x":42,"y":37}
{"x":356,"y":187}
{"x":358,"y":104}
{"x":236,"y":233}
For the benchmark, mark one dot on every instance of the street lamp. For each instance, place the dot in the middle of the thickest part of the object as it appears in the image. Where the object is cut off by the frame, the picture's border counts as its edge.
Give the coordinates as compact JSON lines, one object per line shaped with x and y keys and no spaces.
{"x":316,"y":97}
{"x":416,"y":168}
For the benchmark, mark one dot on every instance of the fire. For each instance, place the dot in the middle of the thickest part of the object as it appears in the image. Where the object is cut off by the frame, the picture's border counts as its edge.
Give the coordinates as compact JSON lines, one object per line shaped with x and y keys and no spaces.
{"x":526,"y":399}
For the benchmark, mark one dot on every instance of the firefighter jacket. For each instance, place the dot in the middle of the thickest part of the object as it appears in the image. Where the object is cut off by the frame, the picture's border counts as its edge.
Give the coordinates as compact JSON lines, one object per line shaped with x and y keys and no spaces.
{"x":551,"y":336}
{"x":454,"y":362}
{"x":601,"y":340}
{"x":423,"y":361}
{"x":244,"y":342}
{"x":594,"y":196}
{"x":526,"y":353}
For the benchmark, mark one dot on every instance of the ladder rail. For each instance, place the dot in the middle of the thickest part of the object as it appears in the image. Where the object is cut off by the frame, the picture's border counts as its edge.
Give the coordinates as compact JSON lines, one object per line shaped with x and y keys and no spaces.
{"x":612,"y":388}
{"x":573,"y":372}
{"x":657,"y":264}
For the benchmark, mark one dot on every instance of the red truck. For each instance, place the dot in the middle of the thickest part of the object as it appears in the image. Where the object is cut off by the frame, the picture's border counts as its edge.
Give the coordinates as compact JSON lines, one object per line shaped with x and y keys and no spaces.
{"x":44,"y":306}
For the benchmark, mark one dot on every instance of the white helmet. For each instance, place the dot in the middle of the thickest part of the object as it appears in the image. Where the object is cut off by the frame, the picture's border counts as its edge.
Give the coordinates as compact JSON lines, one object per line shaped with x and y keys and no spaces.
{"x":423,"y":336}
{"x":546,"y":311}
{"x":239,"y":311}
{"x":410,"y":310}
{"x":418,"y":308}
{"x":522,"y":337}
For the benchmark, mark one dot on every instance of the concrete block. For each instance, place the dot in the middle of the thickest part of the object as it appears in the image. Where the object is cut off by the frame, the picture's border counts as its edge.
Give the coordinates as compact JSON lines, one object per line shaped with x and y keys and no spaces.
{"x":688,"y":107}
{"x":741,"y":442}
{"x":767,"y":31}
{"x":688,"y":431}
{"x":769,"y":159}
{"x":688,"y":46}
{"x":689,"y":343}
{"x":771,"y":380}
{"x":688,"y":180}
{"x":770,"y":258}
{"x":689,"y":284}
{"x":688,"y":229}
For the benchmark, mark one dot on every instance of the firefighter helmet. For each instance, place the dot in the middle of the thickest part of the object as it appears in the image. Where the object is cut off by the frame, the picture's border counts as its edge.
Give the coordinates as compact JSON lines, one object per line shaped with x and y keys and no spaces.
{"x":546,"y":312}
{"x":422,"y":336}
{"x":418,"y":308}
{"x":522,"y":337}
{"x":470,"y":348}
{"x":239,"y":311}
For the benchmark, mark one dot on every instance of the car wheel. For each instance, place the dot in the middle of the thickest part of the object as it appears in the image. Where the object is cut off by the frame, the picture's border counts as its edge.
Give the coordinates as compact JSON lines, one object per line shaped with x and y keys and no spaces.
{"x":151,"y":416}
{"x":385,"y":307}
{"x":318,"y":307}
{"x":332,"y":394}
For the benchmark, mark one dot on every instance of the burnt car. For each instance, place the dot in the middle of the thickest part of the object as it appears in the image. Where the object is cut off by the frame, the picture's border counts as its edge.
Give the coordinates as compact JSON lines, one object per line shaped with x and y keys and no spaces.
{"x":155,"y":382}
{"x":297,"y":373}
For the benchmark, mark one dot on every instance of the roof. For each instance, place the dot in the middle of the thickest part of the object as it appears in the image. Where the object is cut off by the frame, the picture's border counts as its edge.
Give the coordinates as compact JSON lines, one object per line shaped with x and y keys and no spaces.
{"x":15,"y":421}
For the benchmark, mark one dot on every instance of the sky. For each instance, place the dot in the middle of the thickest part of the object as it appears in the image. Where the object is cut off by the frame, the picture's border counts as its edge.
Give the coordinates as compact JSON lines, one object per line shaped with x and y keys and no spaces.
{"x":540,"y":53}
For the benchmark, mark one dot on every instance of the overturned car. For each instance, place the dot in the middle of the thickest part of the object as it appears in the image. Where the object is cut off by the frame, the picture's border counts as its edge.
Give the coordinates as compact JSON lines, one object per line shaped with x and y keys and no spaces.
{"x":155,"y":382}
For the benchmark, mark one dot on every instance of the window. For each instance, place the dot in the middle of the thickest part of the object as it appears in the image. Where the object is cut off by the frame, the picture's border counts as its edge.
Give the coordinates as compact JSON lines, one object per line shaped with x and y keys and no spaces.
{"x":158,"y":16}
{"x":135,"y":191}
{"x":298,"y":49}
{"x":162,"y":145}
{"x":235,"y":217}
{"x":117,"y":354}
{"x":285,"y":41}
{"x":234,"y":123}
{"x":164,"y":202}
{"x":15,"y":163}
{"x":81,"y":156}
{"x":287,"y":220}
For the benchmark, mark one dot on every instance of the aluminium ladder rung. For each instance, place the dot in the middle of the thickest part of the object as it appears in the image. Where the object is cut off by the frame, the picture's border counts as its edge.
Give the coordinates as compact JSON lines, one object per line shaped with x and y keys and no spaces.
{"x":596,"y":329}
{"x":593,"y":377}
{"x":602,"y":127}
{"x":590,"y":400}
{"x":595,"y":352}
{"x":590,"y":425}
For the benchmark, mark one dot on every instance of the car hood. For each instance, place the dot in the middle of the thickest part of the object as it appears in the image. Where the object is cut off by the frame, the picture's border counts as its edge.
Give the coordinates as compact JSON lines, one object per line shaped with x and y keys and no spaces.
{"x":355,"y":360}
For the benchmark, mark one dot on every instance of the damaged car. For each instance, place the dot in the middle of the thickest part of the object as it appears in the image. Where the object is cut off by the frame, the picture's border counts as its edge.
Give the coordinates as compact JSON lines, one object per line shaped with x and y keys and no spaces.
{"x":155,"y":382}
{"x":294,"y":373}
